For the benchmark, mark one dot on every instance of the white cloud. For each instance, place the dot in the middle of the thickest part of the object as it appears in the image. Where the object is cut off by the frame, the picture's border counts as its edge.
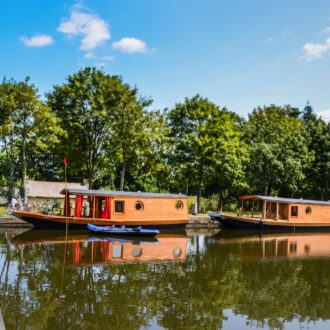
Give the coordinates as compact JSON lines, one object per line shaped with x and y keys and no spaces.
{"x":38,"y":40}
{"x":324,"y":114}
{"x":90,"y":55}
{"x":268,"y":40}
{"x":93,"y":30}
{"x":326,"y":30}
{"x":314,"y":51}
{"x":107,"y":58}
{"x":130,"y":45}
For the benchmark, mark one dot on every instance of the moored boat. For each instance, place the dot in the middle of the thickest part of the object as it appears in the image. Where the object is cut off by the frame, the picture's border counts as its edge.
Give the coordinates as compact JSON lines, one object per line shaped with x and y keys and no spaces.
{"x":106,"y":208}
{"x":123,"y":231}
{"x":278,"y":213}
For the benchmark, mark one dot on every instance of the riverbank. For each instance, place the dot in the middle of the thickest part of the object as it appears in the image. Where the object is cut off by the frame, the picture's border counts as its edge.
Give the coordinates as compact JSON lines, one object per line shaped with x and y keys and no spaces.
{"x":195,"y":221}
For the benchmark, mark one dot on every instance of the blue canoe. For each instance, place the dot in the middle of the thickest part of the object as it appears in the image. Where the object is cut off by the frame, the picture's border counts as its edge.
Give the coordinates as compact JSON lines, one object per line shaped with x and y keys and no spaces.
{"x":122,"y":231}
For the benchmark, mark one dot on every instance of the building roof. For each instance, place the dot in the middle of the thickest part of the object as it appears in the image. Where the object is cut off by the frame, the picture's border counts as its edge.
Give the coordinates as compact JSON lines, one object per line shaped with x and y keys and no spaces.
{"x":48,"y":189}
{"x":119,"y":193}
{"x":284,"y":200}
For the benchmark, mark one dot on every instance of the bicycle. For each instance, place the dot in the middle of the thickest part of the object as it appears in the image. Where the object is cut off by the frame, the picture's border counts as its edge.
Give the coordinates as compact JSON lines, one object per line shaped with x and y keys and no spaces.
{"x":22,"y":208}
{"x":51,"y":207}
{"x":36,"y":207}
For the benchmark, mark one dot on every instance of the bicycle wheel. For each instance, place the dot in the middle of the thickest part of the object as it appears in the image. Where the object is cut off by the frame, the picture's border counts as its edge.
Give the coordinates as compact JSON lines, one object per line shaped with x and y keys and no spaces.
{"x":27,"y":208}
{"x":36,"y":209}
{"x":56,"y":209}
{"x":45,"y":208}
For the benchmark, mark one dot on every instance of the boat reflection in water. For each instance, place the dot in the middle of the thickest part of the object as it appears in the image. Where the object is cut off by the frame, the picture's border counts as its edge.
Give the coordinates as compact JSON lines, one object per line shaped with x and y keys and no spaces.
{"x":80,"y":248}
{"x":292,"y":245}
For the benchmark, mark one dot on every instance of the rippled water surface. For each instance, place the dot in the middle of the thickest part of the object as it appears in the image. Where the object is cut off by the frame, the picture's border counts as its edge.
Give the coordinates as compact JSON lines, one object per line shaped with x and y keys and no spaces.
{"x":179,"y":280}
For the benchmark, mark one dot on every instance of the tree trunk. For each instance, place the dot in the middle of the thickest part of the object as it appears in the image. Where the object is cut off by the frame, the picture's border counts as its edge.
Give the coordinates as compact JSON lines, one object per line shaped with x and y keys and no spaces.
{"x":11,"y":180}
{"x":10,"y":154}
{"x":199,"y":196}
{"x":90,"y":182}
{"x":220,"y":200}
{"x":24,"y":166}
{"x":122,"y":177}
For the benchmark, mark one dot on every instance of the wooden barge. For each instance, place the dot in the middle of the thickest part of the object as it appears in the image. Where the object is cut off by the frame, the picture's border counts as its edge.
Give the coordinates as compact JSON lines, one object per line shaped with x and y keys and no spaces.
{"x":150,"y":210}
{"x":277,"y":213}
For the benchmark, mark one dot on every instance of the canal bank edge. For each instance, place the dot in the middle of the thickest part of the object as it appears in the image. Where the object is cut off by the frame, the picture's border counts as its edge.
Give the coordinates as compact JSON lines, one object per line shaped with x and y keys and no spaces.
{"x":195,"y":221}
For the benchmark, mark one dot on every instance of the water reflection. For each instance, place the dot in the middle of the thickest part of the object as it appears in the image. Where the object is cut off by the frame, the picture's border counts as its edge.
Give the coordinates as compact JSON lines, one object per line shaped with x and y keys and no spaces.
{"x":200,"y":280}
{"x":82,"y":248}
{"x":280,"y":245}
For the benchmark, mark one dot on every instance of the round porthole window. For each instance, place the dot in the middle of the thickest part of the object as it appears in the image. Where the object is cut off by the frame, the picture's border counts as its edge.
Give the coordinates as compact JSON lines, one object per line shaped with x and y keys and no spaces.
{"x":139,"y":206}
{"x":177,"y":252}
{"x":308,"y":210}
{"x":179,"y":205}
{"x":137,"y":253}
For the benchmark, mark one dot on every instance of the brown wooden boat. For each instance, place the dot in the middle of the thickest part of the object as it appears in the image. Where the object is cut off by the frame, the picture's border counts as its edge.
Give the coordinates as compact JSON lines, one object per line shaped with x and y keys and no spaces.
{"x":277,"y":213}
{"x":150,"y":210}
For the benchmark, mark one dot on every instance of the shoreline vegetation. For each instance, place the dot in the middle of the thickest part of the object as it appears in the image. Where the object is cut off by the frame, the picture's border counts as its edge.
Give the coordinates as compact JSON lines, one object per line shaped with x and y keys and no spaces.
{"x":114,"y":140}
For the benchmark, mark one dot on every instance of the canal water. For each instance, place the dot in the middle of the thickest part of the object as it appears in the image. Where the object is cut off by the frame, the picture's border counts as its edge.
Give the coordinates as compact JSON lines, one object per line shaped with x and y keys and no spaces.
{"x":179,"y":280}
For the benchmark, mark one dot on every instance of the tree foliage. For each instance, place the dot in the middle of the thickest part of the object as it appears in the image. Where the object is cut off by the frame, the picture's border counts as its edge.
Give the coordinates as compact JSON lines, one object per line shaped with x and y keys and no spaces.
{"x":112,"y":138}
{"x":27,"y":128}
{"x":278,"y":147}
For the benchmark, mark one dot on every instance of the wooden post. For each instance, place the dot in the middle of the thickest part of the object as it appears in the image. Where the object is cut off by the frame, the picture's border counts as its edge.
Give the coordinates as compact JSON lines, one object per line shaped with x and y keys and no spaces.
{"x":94,"y":201}
{"x":264,"y":210}
{"x":289,"y":211}
{"x":242,"y":207}
{"x":277,"y":210}
{"x":252,"y":208}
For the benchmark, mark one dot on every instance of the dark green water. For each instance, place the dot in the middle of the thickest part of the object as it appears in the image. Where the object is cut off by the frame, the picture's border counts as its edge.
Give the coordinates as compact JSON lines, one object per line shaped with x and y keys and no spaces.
{"x":230,"y":280}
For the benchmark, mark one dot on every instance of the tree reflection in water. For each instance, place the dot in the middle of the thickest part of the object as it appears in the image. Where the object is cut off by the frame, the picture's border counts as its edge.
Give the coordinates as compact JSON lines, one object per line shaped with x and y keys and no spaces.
{"x":48,"y":286}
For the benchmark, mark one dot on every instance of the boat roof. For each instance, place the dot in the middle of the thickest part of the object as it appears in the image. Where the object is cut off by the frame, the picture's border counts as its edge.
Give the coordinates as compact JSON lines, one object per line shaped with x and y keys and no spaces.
{"x":91,"y":192}
{"x":284,"y":200}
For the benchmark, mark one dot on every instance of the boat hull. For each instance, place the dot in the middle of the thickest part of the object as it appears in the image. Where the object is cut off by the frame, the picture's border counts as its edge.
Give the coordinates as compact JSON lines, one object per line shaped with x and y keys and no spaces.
{"x":45,"y":221}
{"x":272,"y":225}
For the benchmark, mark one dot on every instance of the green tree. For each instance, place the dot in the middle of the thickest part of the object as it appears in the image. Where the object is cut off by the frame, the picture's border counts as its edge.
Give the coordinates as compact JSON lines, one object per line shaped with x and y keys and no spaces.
{"x":103,"y":120}
{"x":150,"y":171}
{"x":202,"y":135}
{"x":318,"y":174}
{"x":278,"y":147}
{"x":228,"y":169}
{"x":27,"y":128}
{"x":129,"y":131}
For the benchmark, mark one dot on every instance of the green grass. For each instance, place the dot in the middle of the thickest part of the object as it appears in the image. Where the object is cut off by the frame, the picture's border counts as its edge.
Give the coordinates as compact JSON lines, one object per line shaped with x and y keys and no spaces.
{"x":3,"y":211}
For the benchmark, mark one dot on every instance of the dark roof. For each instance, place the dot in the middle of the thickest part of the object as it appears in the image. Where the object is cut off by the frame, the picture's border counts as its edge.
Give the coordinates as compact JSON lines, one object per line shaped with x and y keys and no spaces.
{"x":118,"y":193}
{"x":285,"y":200}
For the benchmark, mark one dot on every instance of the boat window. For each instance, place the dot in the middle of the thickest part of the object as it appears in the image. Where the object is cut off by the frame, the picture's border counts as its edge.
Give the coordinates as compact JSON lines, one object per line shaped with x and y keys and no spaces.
{"x":117,"y":251}
{"x":177,"y":252}
{"x":179,"y":205}
{"x":293,"y":247}
{"x":308,"y":210}
{"x":137,"y":253}
{"x":119,"y":207}
{"x":294,"y":211}
{"x":139,"y":206}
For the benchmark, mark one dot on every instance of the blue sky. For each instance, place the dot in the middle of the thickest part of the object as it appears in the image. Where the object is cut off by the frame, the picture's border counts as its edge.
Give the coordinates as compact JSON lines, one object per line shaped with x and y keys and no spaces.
{"x":238,"y":53}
